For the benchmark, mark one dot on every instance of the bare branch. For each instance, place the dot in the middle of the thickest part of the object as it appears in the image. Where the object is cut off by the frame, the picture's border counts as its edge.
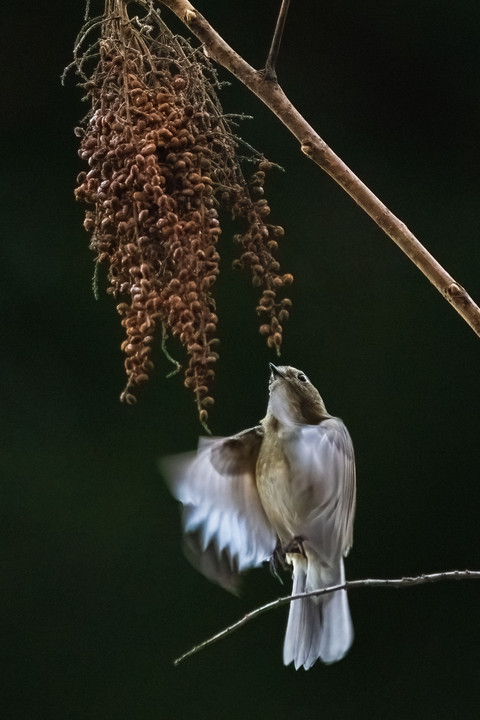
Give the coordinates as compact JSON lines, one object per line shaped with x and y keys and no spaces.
{"x":270,"y":72}
{"x":349,"y":585}
{"x":317,"y":150}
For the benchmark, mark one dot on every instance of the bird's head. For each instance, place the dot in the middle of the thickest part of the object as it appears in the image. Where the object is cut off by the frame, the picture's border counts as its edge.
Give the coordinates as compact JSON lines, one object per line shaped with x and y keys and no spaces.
{"x":293,"y":398}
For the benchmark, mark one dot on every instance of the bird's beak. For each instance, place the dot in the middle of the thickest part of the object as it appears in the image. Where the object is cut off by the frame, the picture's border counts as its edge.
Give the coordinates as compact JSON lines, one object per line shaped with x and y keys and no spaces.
{"x":275,"y":370}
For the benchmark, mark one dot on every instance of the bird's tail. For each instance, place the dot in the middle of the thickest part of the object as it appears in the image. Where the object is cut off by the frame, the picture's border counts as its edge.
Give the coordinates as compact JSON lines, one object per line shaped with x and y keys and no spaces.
{"x":319,"y":627}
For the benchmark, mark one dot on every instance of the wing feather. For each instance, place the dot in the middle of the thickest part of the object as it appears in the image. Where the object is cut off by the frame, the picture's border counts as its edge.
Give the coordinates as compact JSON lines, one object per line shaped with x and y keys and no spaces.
{"x":322,"y":462}
{"x":226,"y":529}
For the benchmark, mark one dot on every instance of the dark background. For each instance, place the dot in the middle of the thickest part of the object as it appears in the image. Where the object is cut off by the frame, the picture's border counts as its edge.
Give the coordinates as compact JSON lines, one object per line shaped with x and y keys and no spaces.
{"x":96,"y":597}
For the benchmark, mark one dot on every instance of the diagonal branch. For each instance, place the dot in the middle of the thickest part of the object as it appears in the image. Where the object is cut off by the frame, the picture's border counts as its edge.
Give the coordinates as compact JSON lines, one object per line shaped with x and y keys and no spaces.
{"x":317,"y":150}
{"x":350,"y":585}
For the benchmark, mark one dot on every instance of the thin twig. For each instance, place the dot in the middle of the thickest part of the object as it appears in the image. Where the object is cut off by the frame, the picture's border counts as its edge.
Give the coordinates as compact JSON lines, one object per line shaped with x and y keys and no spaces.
{"x":178,"y":366}
{"x":317,"y":150}
{"x":349,"y":585}
{"x":270,"y":71}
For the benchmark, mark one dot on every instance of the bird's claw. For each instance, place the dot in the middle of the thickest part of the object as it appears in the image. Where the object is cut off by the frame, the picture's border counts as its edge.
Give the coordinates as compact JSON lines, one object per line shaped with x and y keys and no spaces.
{"x":295,"y":546}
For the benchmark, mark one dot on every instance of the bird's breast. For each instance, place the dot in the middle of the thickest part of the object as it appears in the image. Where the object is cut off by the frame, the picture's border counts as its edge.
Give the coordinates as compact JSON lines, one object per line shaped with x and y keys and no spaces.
{"x":283,"y":505}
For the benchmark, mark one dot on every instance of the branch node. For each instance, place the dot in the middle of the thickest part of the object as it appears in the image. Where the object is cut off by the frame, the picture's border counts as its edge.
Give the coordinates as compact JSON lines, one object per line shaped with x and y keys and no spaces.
{"x":270,"y":75}
{"x":454,"y":290}
{"x":307,"y":149}
{"x":190,"y":16}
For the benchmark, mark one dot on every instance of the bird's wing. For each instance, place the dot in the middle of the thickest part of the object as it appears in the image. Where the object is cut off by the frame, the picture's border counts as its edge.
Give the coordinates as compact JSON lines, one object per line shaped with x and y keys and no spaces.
{"x":226,"y":529}
{"x":322,"y":464}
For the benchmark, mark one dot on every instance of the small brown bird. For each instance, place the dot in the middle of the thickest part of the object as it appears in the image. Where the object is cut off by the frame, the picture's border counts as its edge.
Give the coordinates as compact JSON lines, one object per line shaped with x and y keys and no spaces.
{"x":282,"y":491}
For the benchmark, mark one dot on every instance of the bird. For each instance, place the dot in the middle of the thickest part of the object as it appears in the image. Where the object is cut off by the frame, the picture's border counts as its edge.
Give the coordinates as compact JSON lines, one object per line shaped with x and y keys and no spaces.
{"x":281,"y":492}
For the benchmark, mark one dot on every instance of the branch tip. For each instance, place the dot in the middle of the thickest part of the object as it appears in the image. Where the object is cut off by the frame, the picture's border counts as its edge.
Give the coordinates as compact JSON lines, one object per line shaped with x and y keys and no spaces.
{"x":270,"y":73}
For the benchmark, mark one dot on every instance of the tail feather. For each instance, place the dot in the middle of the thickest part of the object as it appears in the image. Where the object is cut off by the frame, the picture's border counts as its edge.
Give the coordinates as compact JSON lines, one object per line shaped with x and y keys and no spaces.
{"x":318,"y":627}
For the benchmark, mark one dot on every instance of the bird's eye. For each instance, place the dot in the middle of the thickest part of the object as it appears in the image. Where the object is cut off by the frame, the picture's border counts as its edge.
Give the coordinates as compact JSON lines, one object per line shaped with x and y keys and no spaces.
{"x":302,"y":377}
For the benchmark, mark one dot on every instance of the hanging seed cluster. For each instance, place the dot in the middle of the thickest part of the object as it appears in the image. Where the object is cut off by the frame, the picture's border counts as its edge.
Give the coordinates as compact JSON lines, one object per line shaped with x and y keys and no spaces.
{"x":161,"y":161}
{"x":259,"y":244}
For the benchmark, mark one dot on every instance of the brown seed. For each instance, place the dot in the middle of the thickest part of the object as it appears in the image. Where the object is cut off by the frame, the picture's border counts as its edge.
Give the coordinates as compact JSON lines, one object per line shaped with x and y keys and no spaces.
{"x":149,"y":149}
{"x":179,"y":82}
{"x":265,"y":165}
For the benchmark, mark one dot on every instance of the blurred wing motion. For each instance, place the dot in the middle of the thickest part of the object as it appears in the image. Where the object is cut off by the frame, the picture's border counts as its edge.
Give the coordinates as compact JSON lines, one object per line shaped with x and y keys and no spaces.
{"x":322,"y":461}
{"x":226,"y":529}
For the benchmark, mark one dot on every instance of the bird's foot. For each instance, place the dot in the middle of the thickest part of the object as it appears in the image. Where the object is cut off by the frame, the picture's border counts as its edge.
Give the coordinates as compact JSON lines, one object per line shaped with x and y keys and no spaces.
{"x":295,"y":546}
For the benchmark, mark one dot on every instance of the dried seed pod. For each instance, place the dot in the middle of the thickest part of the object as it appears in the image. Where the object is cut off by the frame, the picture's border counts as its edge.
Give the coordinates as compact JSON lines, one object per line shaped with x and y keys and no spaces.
{"x":161,"y":158}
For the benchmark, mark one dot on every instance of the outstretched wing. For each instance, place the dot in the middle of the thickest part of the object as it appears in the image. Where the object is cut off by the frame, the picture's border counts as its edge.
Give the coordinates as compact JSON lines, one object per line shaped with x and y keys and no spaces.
{"x":322,"y":464}
{"x":226,"y":529}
